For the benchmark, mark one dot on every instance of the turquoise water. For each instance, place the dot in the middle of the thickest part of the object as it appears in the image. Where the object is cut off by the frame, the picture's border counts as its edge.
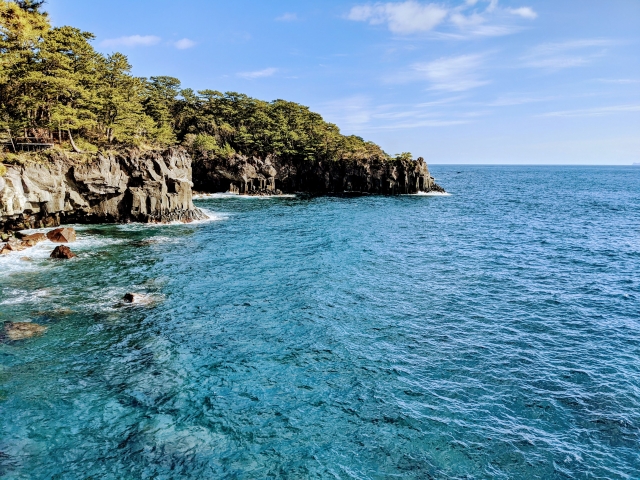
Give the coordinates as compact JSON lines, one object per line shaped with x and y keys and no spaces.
{"x":493,"y":333}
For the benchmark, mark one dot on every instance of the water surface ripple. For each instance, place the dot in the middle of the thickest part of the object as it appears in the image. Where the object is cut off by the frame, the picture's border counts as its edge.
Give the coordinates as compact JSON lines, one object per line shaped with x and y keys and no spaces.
{"x":493,"y":333}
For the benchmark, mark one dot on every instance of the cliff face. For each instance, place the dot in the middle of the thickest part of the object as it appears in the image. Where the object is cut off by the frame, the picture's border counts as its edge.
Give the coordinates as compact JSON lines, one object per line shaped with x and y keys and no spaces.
{"x":144,"y":187}
{"x":244,"y":175}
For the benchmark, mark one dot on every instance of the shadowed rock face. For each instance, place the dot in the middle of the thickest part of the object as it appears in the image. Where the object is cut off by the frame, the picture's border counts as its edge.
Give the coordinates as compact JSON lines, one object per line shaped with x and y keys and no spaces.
{"x":137,"y":187}
{"x":244,"y":175}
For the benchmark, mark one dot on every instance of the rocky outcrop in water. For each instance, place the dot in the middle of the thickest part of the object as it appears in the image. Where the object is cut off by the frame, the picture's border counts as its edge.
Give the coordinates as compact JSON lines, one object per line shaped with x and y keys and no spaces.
{"x":15,"y":331}
{"x":244,"y":175}
{"x":63,"y":253}
{"x":109,"y":188}
{"x":62,"y":235}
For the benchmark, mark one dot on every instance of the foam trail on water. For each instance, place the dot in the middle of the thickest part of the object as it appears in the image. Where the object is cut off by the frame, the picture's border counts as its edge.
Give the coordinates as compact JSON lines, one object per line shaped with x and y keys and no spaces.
{"x":208,"y":196}
{"x":429,"y":194}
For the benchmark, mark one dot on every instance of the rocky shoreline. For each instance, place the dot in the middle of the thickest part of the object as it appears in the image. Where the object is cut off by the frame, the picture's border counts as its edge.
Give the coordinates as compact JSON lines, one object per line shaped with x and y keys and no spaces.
{"x":158,"y":186}
{"x":274,"y":176}
{"x":147,"y":187}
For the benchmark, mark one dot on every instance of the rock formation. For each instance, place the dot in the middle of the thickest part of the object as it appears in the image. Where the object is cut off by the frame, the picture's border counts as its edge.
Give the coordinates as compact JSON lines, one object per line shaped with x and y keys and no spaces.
{"x":109,"y":188}
{"x":138,"y":298}
{"x":63,"y":253}
{"x":13,"y":245}
{"x":33,"y":240}
{"x":244,"y":175}
{"x":22,"y":330}
{"x":62,"y":235}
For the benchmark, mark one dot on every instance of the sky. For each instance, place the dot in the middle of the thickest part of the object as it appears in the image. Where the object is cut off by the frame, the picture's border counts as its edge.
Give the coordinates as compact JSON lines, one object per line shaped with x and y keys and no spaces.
{"x":459,"y":81}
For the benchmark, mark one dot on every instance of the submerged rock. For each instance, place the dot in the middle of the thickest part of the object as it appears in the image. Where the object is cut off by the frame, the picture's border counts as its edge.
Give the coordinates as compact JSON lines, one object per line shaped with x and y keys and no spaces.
{"x":63,"y":253}
{"x":22,"y":330}
{"x":62,"y":235}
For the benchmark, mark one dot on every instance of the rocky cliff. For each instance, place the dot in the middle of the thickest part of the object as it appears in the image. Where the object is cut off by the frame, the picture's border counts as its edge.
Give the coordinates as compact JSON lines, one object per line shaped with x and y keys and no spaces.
{"x":133,"y":187}
{"x":244,"y":175}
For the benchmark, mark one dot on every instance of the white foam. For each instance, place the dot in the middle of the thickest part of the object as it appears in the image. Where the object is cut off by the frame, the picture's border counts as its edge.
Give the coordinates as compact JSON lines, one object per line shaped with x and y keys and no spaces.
{"x":429,"y":194}
{"x":207,"y":196}
{"x":211,"y":216}
{"x":13,"y":261}
{"x":24,"y":296}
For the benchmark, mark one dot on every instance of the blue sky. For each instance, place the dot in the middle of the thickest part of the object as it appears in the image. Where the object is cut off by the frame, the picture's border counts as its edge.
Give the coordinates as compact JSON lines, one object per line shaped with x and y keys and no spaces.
{"x":467,"y":81}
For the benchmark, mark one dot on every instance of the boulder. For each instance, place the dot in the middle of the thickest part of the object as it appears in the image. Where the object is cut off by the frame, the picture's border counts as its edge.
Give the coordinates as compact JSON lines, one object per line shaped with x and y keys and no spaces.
{"x":138,"y":298}
{"x":62,"y":235}
{"x":63,"y":253}
{"x":22,"y":330}
{"x":33,"y":240}
{"x":13,"y":245}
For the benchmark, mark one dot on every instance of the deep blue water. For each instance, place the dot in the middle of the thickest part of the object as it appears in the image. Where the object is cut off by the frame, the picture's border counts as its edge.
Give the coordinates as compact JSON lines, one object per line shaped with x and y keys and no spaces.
{"x":493,"y":333}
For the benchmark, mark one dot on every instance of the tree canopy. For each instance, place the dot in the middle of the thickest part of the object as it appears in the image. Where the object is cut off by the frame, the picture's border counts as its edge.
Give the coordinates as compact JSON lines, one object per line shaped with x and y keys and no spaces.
{"x":54,"y":84}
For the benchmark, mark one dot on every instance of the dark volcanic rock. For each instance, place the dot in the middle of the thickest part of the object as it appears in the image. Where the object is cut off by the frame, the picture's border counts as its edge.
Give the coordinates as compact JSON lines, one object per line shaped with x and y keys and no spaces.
{"x":245,"y":175}
{"x":148,"y":187}
{"x":138,"y":298}
{"x":63,"y":253}
{"x":21,"y":331}
{"x":62,"y":235}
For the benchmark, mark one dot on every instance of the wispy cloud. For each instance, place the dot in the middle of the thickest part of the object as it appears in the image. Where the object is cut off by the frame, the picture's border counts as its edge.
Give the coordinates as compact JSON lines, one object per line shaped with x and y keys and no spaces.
{"x":619,"y":81}
{"x":524,"y":12}
{"x":267,"y":72}
{"x":404,"y":17}
{"x":511,"y":101}
{"x":287,"y":17}
{"x":453,"y":74}
{"x":184,"y":44}
{"x":359,"y":114}
{"x":131,"y":41}
{"x":594,"y":112}
{"x":574,"y":53}
{"x":468,"y":20}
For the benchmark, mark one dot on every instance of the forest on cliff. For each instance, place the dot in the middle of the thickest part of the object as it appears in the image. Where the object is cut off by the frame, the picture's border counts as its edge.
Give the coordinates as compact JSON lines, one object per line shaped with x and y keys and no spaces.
{"x":56,"y":88}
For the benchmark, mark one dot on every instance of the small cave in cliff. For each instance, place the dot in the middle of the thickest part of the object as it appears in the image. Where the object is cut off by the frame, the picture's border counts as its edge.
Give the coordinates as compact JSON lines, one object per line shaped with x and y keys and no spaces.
{"x":172,"y":186}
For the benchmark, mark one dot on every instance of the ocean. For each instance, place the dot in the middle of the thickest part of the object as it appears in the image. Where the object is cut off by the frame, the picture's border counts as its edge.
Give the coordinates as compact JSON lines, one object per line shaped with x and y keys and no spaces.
{"x":490,"y":333}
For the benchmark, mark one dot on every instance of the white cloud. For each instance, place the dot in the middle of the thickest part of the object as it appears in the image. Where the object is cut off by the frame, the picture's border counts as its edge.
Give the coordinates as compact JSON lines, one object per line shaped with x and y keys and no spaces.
{"x":404,"y":17}
{"x":131,"y":41}
{"x":358,"y":114}
{"x":618,"y":81}
{"x":412,"y":16}
{"x":594,"y":112}
{"x":453,"y":74}
{"x":575,"y":53}
{"x":267,"y":72}
{"x":184,"y":44}
{"x":524,"y":12}
{"x":351,"y":113}
{"x":287,"y":17}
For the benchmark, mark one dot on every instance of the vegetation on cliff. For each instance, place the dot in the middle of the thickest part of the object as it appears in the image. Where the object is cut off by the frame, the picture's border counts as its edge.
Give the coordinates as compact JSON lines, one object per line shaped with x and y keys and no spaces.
{"x":54,"y":87}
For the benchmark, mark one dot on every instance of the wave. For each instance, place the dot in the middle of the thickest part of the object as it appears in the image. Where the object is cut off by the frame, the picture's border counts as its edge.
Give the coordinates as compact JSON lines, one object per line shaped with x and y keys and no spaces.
{"x":429,"y":194}
{"x":208,"y":196}
{"x":211,"y":217}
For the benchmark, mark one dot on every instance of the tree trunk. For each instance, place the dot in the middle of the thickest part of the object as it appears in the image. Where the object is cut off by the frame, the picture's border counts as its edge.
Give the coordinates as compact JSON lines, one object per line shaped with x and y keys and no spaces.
{"x":13,"y":145}
{"x":73,"y":144}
